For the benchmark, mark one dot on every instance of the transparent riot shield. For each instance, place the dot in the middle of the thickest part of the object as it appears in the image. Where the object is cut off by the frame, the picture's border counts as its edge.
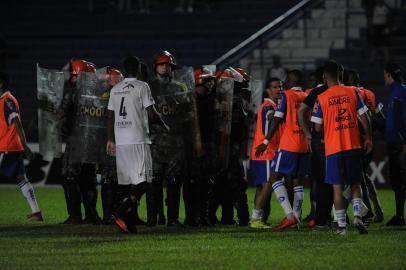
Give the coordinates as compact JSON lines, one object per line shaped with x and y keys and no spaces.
{"x":210,"y":68}
{"x":256,"y":90}
{"x":89,"y":132}
{"x":50,"y":84}
{"x":223,"y":117}
{"x":185,"y":76}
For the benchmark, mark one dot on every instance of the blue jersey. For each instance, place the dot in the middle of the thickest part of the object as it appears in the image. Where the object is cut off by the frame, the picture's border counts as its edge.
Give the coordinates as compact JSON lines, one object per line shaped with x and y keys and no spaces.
{"x":396,"y":116}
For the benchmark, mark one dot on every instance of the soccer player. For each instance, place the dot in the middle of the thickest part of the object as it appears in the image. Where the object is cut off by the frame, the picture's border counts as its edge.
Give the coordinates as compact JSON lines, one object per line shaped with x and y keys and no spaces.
{"x":260,"y":166}
{"x":129,"y":103}
{"x":336,"y":113}
{"x":396,"y":137}
{"x":292,"y":158}
{"x":13,"y":146}
{"x":322,"y":192}
{"x":367,"y":185}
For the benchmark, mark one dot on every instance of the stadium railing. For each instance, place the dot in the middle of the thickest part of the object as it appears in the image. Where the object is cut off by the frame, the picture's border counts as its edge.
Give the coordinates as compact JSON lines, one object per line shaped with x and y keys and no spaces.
{"x":259,"y":39}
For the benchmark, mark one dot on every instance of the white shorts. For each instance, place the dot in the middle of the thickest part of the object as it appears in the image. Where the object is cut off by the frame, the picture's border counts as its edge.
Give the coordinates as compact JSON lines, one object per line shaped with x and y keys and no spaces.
{"x":134,"y":164}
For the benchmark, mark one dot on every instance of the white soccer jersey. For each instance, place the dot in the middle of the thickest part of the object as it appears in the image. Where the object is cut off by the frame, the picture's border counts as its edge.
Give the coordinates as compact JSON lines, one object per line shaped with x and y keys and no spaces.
{"x":129,"y":100}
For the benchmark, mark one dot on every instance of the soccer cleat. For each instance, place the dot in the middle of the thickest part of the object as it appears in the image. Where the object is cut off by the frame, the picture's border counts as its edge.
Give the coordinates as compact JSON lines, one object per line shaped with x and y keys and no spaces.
{"x":379,"y":217}
{"x":311,"y":222}
{"x":35,"y":217}
{"x":341,"y":231}
{"x":396,"y":221}
{"x":359,"y":225}
{"x":258,"y":224}
{"x":286,"y":224}
{"x":121,"y":224}
{"x":321,"y":228}
{"x":369,"y":218}
{"x":308,"y":218}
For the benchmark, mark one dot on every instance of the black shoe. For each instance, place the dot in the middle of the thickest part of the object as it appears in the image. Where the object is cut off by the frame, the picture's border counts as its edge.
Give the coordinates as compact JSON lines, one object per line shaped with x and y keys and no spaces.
{"x":108,"y":221}
{"x":321,"y":228}
{"x":161,"y":220}
{"x":72,"y":220}
{"x":175,"y":224}
{"x":228,"y":222}
{"x":379,"y":216}
{"x":191,"y":223}
{"x":132,"y":229}
{"x":140,"y":222}
{"x":152,"y":222}
{"x":396,"y":221}
{"x":368,"y":218}
{"x":359,"y":225}
{"x":243,"y":223}
{"x":93,"y":220}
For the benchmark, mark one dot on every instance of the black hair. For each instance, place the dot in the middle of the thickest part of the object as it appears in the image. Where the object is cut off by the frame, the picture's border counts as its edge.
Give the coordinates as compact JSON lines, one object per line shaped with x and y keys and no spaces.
{"x":395,"y":70}
{"x":4,"y":79}
{"x":298,"y":76}
{"x":131,"y":65}
{"x":333,"y":70}
{"x":319,"y":74}
{"x":270,"y":80}
{"x":355,"y":75}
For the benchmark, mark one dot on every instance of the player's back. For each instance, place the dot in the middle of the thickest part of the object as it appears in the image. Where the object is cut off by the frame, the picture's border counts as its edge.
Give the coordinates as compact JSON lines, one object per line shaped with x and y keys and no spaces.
{"x":293,"y":138}
{"x":339,"y":109}
{"x":128,"y":100}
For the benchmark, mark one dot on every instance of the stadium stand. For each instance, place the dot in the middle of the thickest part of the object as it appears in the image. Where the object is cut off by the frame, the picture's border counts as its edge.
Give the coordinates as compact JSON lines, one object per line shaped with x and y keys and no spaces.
{"x":51,"y":32}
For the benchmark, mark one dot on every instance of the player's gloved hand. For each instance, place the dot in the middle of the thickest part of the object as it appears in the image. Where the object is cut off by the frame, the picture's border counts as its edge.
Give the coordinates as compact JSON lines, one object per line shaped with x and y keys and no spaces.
{"x":260,"y":149}
{"x":368,"y":145}
{"x":111,"y":148}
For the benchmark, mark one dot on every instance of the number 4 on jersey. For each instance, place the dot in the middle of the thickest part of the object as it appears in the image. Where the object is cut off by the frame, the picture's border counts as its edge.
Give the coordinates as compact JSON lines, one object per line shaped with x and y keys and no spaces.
{"x":123,"y":113}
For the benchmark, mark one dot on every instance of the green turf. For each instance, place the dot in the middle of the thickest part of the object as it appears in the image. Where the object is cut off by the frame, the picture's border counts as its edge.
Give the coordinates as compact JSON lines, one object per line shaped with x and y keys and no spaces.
{"x":53,"y":246}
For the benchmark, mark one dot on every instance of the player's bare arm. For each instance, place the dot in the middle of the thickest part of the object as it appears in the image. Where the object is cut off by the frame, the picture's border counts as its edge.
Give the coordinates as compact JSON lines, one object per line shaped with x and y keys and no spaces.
{"x":304,"y":125}
{"x":366,"y":125}
{"x":318,"y":127}
{"x":110,"y":147}
{"x":20,"y":131}
{"x":155,"y":117}
{"x":271,"y":131}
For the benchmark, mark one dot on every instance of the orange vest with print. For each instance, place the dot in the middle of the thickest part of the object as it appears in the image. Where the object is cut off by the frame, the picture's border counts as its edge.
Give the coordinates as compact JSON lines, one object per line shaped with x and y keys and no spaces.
{"x":293,"y":138}
{"x":259,"y":135}
{"x":340,"y":119}
{"x":9,"y":139}
{"x":369,"y":99}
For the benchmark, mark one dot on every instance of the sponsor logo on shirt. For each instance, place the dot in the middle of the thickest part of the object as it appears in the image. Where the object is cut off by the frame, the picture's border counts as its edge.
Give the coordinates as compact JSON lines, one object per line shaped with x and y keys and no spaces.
{"x":342,"y":115}
{"x":338,"y":100}
{"x":124,"y":124}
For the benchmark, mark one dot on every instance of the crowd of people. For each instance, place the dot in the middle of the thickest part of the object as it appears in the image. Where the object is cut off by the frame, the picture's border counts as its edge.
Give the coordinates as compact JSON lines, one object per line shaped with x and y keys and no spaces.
{"x":162,"y":134}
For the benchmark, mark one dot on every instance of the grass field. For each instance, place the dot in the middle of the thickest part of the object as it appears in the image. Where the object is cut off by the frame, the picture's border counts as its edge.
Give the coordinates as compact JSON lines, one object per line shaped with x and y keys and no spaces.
{"x":52,"y":246}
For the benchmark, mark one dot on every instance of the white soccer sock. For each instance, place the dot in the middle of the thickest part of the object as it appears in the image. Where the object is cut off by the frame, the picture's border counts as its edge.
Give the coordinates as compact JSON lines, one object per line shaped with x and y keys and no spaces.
{"x":356,"y":206}
{"x":257,"y":214}
{"x":282,"y":196}
{"x":28,"y":192}
{"x":341,"y":218}
{"x":298,"y":196}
